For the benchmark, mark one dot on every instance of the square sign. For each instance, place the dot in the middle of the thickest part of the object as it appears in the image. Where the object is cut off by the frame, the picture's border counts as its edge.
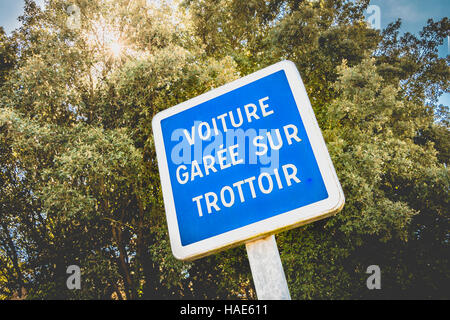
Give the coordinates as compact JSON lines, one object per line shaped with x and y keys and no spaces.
{"x":243,"y":161}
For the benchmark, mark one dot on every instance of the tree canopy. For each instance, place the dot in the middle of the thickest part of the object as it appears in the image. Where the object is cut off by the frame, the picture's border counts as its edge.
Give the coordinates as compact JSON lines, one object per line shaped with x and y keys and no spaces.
{"x":79,"y":181}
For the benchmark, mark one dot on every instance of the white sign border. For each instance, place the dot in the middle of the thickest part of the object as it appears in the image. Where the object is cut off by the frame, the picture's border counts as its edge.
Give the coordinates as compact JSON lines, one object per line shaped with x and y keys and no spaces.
{"x":272,"y":225}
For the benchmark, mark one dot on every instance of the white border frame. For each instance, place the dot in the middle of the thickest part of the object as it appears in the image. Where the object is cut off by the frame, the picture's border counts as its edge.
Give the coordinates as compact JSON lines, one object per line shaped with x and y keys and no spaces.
{"x":272,"y":225}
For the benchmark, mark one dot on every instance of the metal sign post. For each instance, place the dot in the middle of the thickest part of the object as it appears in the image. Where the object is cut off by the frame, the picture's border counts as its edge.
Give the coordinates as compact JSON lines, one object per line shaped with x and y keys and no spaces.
{"x":267,"y":270}
{"x":239,"y":164}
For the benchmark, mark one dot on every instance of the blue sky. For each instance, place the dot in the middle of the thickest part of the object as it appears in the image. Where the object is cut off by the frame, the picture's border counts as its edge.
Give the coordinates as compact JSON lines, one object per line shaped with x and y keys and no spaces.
{"x":9,"y":11}
{"x":414,"y":15}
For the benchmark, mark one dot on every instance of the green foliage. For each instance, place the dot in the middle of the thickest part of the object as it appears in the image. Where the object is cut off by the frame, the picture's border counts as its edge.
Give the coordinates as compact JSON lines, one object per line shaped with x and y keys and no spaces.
{"x":78,"y":172}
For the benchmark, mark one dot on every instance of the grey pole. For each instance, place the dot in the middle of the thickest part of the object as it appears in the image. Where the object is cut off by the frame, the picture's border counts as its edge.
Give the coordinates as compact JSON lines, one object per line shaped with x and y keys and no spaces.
{"x":267,"y":270}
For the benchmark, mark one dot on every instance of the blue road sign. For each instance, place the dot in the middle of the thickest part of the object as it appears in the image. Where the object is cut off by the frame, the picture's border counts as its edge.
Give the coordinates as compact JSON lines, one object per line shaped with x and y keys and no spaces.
{"x":243,"y":161}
